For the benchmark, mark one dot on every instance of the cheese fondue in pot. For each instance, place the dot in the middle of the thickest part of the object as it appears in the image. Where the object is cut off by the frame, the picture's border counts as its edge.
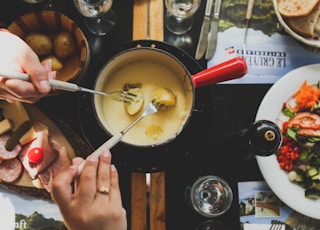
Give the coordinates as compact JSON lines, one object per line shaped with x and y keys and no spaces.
{"x":149,"y":75}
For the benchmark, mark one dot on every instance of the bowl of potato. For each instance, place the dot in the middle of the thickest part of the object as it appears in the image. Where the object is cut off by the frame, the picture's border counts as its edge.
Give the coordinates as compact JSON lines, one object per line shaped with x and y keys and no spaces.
{"x":53,"y":35}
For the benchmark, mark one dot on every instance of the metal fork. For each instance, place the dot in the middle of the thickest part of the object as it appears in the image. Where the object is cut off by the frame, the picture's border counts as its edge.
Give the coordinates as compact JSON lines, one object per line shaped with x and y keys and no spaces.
{"x":122,"y":96}
{"x":150,"y":109}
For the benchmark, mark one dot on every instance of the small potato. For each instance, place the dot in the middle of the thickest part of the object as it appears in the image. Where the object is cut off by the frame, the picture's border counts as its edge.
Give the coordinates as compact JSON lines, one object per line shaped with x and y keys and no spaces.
{"x":153,"y":131}
{"x":163,"y":98}
{"x":136,"y":105}
{"x":64,"y":45}
{"x":56,"y":63}
{"x":40,"y":43}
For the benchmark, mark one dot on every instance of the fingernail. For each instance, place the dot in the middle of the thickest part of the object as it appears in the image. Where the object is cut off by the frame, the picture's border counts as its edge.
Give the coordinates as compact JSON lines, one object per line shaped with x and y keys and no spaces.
{"x":73,"y":167}
{"x":49,"y":64}
{"x":113,"y":168}
{"x":44,"y":84}
{"x":52,"y":74}
{"x":106,"y":154}
{"x":92,"y":158}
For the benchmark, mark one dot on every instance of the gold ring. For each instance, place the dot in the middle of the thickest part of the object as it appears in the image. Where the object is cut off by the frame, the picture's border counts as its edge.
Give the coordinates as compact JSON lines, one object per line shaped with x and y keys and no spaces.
{"x":104,"y":190}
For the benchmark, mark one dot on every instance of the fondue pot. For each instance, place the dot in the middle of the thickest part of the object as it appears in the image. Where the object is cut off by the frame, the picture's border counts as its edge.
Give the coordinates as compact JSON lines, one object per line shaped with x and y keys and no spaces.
{"x":196,"y":138}
{"x":150,"y":68}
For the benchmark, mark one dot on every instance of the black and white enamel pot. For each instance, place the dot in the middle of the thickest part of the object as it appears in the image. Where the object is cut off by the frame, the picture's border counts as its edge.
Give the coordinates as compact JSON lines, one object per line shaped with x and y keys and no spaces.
{"x":150,"y":68}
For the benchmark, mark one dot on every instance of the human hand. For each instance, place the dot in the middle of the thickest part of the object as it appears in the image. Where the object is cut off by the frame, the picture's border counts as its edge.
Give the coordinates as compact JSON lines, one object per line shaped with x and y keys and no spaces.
{"x":84,"y":207}
{"x":17,"y":56}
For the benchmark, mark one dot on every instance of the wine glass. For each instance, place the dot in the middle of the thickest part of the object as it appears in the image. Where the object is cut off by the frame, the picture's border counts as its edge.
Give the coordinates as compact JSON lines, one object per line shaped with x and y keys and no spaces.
{"x":100,"y":18}
{"x":210,"y":196}
{"x":179,"y":15}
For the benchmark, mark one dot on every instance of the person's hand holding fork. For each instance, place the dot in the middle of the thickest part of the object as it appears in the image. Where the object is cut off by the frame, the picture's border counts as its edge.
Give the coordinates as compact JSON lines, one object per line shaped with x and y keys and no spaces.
{"x":17,"y":56}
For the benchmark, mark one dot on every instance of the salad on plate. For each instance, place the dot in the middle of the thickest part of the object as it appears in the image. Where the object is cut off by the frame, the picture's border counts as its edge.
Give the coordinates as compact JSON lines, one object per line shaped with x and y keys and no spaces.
{"x":299,"y":153}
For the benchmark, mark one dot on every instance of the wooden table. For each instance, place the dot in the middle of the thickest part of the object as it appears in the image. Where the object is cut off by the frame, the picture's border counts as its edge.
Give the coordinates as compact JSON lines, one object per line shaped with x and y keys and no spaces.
{"x":161,"y":204}
{"x":148,"y":200}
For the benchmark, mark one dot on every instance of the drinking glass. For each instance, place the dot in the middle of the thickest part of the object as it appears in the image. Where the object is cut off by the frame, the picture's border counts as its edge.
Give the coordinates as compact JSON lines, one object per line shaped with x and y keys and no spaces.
{"x":210,"y":196}
{"x":179,"y":15}
{"x":100,"y":18}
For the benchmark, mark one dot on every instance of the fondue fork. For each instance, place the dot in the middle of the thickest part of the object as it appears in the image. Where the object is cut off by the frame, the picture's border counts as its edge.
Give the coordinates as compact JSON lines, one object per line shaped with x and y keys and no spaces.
{"x":157,"y":103}
{"x":122,"y":96}
{"x":151,"y":108}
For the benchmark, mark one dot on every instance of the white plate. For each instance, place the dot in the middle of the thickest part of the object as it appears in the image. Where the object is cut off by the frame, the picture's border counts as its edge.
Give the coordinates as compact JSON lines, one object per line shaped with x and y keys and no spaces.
{"x":270,"y":109}
{"x":307,"y":41}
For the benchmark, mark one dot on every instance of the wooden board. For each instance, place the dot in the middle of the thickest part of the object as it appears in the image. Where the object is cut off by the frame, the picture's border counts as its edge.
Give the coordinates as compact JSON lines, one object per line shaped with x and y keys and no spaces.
{"x":157,"y":201}
{"x":24,"y":183}
{"x":138,"y":201}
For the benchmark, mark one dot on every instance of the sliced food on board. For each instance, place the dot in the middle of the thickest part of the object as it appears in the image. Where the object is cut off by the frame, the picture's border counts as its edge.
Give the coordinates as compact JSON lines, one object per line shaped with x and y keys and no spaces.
{"x":33,"y":150}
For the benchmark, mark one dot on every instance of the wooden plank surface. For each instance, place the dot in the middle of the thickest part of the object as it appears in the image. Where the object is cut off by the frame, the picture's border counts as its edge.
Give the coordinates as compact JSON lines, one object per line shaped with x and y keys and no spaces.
{"x":157,"y":181}
{"x":157,"y":201}
{"x":148,"y":24}
{"x":156,"y":12}
{"x":138,"y":201}
{"x":138,"y":180}
{"x":140,"y":19}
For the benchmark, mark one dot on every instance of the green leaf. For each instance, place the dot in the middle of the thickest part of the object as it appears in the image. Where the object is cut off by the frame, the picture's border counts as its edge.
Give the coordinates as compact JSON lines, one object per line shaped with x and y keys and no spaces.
{"x":287,"y":112}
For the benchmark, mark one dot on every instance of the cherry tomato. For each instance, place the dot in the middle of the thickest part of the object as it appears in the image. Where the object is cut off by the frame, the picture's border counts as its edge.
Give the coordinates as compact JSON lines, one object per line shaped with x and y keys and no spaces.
{"x":35,"y":155}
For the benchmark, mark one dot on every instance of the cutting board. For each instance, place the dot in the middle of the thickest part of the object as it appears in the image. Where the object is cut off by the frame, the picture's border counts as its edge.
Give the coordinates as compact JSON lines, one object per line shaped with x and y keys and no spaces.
{"x":24,"y":183}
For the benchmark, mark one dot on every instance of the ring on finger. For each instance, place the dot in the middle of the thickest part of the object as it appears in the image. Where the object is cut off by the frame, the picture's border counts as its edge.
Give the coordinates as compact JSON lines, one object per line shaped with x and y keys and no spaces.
{"x":104,"y":190}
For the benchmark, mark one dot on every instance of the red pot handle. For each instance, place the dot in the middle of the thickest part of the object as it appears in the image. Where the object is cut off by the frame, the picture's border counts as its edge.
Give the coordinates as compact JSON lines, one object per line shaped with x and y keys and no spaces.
{"x":229,"y":70}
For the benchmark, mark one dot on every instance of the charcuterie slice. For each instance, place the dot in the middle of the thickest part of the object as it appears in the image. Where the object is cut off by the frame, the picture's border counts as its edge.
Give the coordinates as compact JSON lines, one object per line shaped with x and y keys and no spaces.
{"x":10,"y":170}
{"x":5,"y":154}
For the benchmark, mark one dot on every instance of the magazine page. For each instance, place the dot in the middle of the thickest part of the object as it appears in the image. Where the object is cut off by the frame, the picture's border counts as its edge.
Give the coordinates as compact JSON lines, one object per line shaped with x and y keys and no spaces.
{"x":270,"y":51}
{"x":259,"y":207}
{"x":19,"y":212}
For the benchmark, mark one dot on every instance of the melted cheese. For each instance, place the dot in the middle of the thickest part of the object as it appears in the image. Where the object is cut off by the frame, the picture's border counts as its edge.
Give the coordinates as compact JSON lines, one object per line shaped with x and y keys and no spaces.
{"x":151,"y":76}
